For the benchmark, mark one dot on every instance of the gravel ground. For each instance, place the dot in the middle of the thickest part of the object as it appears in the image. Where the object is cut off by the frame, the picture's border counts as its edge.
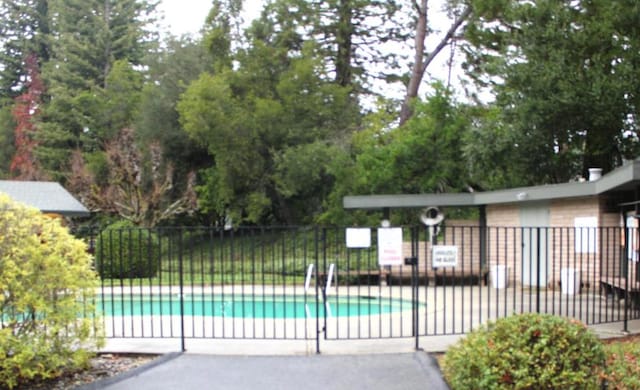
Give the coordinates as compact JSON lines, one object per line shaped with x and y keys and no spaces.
{"x":102,"y":366}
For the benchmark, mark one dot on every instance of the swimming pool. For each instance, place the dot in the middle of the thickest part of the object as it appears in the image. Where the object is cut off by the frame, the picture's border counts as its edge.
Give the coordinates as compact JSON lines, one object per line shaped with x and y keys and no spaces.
{"x":249,"y":306}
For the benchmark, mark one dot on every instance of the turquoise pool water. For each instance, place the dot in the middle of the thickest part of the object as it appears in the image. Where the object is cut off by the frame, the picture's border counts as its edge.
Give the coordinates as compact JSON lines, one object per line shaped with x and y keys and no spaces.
{"x":249,"y":306}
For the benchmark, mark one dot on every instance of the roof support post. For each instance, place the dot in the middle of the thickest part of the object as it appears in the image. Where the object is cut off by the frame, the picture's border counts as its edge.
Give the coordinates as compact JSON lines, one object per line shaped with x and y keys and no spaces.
{"x":482,"y":222}
{"x":386,"y":213}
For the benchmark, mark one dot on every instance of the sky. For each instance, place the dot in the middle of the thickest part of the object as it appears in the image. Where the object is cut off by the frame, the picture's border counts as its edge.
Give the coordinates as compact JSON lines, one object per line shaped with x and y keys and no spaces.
{"x":187,"y":16}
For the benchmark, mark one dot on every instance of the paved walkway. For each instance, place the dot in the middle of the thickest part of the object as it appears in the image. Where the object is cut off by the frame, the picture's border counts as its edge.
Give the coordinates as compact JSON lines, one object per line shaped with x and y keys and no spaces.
{"x":406,"y":371}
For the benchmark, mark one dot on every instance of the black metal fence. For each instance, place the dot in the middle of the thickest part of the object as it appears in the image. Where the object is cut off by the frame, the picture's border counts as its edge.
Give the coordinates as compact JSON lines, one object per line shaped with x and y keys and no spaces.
{"x":304,"y":283}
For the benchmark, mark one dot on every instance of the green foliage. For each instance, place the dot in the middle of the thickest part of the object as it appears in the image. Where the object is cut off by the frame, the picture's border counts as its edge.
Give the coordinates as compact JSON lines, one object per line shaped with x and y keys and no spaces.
{"x":7,"y":148}
{"x":258,"y":122}
{"x":351,"y":36}
{"x":170,"y":73}
{"x":24,"y":32}
{"x":524,"y":352}
{"x":492,"y":152}
{"x":563,"y":75}
{"x":623,"y":366}
{"x":422,"y":156}
{"x":93,"y":76}
{"x":124,"y":251}
{"x":46,"y":281}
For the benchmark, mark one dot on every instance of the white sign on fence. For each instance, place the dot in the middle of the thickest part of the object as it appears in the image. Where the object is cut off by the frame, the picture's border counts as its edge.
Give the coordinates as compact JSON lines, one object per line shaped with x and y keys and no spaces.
{"x":358,"y":237}
{"x":444,"y":256}
{"x":390,"y":246}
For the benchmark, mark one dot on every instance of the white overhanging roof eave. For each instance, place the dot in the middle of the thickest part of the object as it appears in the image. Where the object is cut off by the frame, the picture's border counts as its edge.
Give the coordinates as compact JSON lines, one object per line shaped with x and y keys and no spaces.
{"x":625,"y":177}
{"x":406,"y":201}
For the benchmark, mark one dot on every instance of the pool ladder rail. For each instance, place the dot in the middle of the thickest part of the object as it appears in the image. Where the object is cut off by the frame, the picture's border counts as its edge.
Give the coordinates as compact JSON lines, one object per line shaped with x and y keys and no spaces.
{"x":325,"y":289}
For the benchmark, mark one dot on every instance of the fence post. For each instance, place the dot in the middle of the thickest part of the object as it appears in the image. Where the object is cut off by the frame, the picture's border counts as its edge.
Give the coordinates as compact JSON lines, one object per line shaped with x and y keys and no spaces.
{"x":317,"y":266}
{"x":624,"y":269}
{"x":625,"y":272}
{"x":181,"y":272}
{"x":483,"y":237}
{"x":538,"y":270}
{"x":414,"y":283}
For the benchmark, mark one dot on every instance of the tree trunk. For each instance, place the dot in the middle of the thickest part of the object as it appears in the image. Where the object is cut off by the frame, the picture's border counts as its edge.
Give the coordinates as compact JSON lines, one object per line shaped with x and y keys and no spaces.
{"x":107,"y":48}
{"x":421,"y":60}
{"x":344,"y":35}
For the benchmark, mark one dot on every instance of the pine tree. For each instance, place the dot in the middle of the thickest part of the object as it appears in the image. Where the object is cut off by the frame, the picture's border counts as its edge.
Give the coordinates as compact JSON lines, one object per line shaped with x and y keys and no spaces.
{"x":90,"y":36}
{"x":24,"y":30}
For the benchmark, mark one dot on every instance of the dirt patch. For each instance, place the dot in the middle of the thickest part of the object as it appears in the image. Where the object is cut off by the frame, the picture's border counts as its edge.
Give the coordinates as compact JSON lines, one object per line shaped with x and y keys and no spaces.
{"x":632,"y":338}
{"x":102,"y":366}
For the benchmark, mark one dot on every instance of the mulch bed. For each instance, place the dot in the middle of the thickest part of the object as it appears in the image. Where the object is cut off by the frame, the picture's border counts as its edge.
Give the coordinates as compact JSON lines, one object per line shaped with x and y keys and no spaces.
{"x":622,"y":339}
{"x":102,"y":366}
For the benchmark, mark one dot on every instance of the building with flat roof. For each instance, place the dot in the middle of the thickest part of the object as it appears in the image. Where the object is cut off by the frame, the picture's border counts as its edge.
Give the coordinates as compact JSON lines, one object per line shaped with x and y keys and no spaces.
{"x":540,"y":230}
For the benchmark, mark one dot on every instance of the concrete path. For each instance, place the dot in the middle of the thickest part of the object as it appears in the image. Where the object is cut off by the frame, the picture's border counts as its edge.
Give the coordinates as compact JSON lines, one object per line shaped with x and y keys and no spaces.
{"x":415,"y":370}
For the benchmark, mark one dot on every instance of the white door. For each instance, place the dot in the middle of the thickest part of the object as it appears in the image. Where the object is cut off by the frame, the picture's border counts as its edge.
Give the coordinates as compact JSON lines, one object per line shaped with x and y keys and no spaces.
{"x":534,"y":219}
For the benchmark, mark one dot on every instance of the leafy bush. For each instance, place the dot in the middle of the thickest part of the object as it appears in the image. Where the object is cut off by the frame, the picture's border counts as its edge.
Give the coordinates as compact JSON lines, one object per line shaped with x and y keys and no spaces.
{"x":46,"y":283}
{"x":528,"y":351}
{"x":623,"y":366}
{"x":124,"y":251}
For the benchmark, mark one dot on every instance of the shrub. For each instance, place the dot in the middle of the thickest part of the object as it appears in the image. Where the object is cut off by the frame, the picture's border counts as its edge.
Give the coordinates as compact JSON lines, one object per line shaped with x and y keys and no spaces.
{"x":623,"y":366}
{"x":124,"y":251}
{"x":46,"y":283}
{"x":525,"y":352}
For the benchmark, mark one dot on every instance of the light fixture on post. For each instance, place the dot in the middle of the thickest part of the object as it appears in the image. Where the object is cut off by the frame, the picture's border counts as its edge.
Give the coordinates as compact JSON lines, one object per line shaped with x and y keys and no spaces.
{"x":431,"y":217}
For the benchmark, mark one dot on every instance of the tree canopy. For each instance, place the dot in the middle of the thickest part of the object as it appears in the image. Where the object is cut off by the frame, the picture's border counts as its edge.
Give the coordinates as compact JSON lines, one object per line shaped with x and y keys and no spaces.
{"x":564,"y":80}
{"x":274,"y":120}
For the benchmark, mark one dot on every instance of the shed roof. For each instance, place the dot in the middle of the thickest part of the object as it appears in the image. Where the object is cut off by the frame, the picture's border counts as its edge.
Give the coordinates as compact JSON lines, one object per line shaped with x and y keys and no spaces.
{"x":48,"y":197}
{"x":623,"y":178}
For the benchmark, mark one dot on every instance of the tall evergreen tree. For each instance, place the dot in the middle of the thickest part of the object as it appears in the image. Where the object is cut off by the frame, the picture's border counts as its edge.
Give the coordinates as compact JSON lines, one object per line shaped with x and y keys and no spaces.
{"x":24,"y":32}
{"x":350,"y":36}
{"x":89,"y":37}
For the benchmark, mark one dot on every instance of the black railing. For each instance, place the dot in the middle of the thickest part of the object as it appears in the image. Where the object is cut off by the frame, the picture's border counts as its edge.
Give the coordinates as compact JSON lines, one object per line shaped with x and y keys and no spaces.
{"x":303,"y":283}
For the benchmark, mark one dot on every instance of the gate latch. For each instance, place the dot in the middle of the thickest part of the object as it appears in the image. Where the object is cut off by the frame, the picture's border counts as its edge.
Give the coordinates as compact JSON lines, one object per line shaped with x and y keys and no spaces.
{"x":411,"y":260}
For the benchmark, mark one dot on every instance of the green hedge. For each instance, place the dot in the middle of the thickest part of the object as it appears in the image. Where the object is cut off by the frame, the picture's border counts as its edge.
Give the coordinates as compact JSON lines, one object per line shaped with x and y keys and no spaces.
{"x":528,"y":351}
{"x":124,"y":251}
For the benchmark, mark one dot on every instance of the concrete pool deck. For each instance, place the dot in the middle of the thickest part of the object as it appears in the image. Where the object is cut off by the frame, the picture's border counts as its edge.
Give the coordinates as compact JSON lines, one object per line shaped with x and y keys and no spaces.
{"x":239,"y":347}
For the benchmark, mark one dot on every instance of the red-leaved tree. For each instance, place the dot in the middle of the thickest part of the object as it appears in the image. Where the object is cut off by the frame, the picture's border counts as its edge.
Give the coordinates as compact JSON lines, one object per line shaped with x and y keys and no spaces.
{"x":138,"y":188}
{"x":24,"y":165}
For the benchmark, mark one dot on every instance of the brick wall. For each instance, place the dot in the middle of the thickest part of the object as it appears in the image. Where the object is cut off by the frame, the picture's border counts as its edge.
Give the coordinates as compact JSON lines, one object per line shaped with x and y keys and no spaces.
{"x":503,"y":215}
{"x":506,"y":241}
{"x":562,"y":249}
{"x":465,"y":234}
